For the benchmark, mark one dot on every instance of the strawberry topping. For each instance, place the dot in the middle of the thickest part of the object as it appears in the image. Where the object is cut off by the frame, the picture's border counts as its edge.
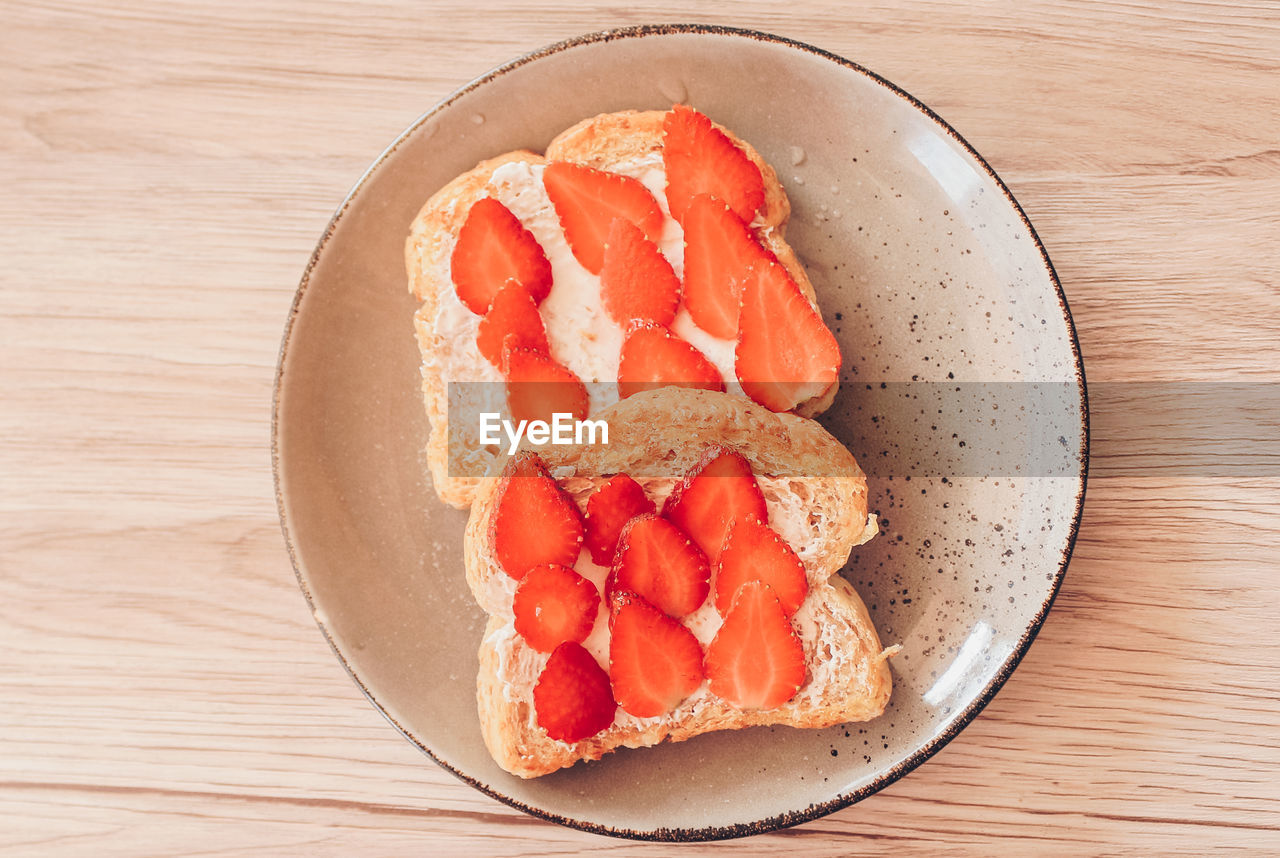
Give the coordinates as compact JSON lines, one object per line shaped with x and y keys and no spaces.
{"x":715,"y":492}
{"x":755,"y":660}
{"x":785,"y":354}
{"x":492,"y":248}
{"x":572,"y":700}
{"x":587,"y":201}
{"x":512,"y":314}
{"x":533,"y":521}
{"x":654,"y":661}
{"x":538,"y":387}
{"x":636,"y":280}
{"x":753,"y":551}
{"x":657,"y":561}
{"x":701,"y":159}
{"x":554,"y":604}
{"x":718,"y":250}
{"x":609,"y":509}
{"x":653,"y":357}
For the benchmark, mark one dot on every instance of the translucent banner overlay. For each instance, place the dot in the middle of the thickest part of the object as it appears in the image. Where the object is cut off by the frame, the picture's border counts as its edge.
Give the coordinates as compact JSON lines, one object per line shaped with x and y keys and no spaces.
{"x":957,"y":429}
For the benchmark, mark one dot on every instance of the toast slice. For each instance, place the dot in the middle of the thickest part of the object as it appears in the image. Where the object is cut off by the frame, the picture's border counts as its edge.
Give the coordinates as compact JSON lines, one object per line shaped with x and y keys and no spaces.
{"x":582,"y":335}
{"x":816,"y":500}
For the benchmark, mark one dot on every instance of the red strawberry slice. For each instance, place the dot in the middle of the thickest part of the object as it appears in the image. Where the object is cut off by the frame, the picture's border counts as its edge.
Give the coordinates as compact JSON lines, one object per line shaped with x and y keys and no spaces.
{"x":701,"y":159}
{"x":753,"y":551}
{"x":572,"y":700}
{"x":785,"y":354}
{"x":657,"y":561}
{"x":533,"y":522}
{"x":653,"y":357}
{"x":718,"y":250}
{"x":539,"y":388}
{"x":715,"y":492}
{"x":512,"y":314}
{"x":554,"y":604}
{"x":654,"y":661}
{"x":492,"y":248}
{"x":608,"y":510}
{"x":755,"y":660}
{"x":636,"y":280}
{"x":587,"y":201}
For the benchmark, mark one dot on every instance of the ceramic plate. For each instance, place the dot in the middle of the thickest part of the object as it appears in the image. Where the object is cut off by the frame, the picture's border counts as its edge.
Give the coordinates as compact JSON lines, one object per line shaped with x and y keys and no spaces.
{"x":949,"y":316}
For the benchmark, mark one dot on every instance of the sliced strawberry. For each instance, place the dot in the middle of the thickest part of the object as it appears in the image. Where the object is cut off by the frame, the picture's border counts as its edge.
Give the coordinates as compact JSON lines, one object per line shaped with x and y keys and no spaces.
{"x":539,"y":388}
{"x":701,"y":159}
{"x":715,"y":492}
{"x":609,"y":509}
{"x":587,"y":200}
{"x":657,"y":561}
{"x":554,"y":604}
{"x":512,"y":314}
{"x":753,"y":551}
{"x":654,"y":661}
{"x":755,"y":660}
{"x":653,"y":357}
{"x":636,"y":280}
{"x":492,"y":248}
{"x":718,"y":250}
{"x":572,"y":700}
{"x":533,"y":522}
{"x":785,"y":353}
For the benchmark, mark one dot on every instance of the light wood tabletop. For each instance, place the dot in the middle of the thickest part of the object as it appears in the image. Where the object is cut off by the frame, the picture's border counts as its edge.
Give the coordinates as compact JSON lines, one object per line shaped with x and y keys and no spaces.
{"x":167,"y":169}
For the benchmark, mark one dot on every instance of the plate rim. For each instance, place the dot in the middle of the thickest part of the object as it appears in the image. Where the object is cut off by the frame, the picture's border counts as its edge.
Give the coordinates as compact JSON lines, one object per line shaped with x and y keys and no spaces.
{"x":980,"y":701}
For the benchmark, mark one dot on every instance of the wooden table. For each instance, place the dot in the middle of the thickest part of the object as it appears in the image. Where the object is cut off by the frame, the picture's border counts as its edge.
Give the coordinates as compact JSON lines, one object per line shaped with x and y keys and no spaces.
{"x":167,"y":169}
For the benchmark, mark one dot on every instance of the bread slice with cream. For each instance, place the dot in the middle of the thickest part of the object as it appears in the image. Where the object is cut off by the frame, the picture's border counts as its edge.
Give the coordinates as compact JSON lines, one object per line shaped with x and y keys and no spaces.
{"x":816,"y":501}
{"x":582,"y":336}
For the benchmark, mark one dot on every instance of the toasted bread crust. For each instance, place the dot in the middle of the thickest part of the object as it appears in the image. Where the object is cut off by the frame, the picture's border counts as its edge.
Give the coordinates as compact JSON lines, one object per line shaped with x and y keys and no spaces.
{"x":601,"y":141}
{"x":661,"y":433}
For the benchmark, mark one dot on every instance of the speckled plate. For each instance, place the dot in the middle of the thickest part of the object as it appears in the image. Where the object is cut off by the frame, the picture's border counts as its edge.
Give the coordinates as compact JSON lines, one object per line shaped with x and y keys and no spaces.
{"x":927,"y":269}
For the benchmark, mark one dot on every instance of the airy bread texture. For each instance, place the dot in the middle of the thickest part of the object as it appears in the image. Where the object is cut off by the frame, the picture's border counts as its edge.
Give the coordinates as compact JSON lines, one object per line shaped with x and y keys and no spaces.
{"x":817,"y":500}
{"x":630,"y":143}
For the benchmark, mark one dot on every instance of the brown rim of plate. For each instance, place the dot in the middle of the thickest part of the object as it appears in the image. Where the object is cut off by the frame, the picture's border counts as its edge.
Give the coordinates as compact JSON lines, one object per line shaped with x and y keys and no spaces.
{"x":965,"y":717}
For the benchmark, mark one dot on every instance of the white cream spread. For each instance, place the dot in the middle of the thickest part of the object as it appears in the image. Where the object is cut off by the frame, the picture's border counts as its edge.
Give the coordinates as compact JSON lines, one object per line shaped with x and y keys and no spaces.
{"x":581,"y":334}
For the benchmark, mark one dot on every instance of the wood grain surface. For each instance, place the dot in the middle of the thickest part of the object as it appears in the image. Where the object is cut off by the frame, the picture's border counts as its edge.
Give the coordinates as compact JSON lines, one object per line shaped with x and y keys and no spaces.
{"x":167,"y":169}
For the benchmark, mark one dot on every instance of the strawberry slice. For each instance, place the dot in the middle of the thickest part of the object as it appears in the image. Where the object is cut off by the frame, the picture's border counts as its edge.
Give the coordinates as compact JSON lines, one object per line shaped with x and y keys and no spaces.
{"x":715,"y":492}
{"x":554,"y":604}
{"x":538,"y":387}
{"x":533,"y":522}
{"x":654,"y":661}
{"x":753,"y":551}
{"x":755,"y":660}
{"x":492,"y":248}
{"x":587,"y":201}
{"x":653,"y":357}
{"x":701,"y":159}
{"x":636,"y":280}
{"x":609,"y":509}
{"x":513,"y":314}
{"x":572,"y":700}
{"x":785,"y":354}
{"x":718,"y":250}
{"x":657,"y":561}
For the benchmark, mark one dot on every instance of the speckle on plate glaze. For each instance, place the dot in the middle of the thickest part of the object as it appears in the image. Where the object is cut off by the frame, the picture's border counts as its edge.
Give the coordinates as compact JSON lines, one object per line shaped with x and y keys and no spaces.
{"x":929,"y":273}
